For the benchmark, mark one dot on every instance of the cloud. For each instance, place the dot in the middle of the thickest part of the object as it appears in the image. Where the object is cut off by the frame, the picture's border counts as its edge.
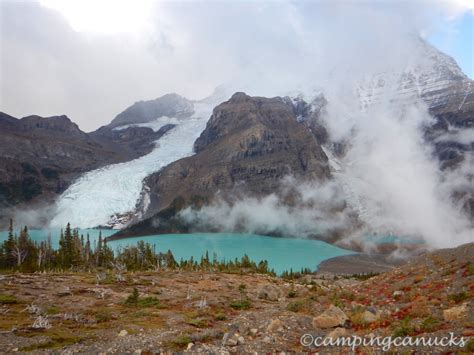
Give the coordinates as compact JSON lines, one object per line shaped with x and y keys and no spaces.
{"x":456,"y":8}
{"x":394,"y":180}
{"x":264,"y":47}
{"x":317,"y":209}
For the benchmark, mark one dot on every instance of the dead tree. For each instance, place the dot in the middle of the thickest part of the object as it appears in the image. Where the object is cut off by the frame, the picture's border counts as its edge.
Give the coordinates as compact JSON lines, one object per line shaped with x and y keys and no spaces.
{"x":19,"y":255}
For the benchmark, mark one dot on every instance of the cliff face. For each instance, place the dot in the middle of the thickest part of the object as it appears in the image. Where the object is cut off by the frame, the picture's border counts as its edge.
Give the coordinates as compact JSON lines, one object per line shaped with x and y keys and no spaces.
{"x":451,"y":136}
{"x":249,"y":144}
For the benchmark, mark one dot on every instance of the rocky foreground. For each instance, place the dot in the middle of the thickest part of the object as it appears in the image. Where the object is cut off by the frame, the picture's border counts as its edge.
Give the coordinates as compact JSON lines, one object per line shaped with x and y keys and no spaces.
{"x":147,"y":312}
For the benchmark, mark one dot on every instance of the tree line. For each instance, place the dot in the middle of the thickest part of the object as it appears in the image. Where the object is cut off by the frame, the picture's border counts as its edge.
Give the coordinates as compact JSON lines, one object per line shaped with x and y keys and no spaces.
{"x":77,"y":253}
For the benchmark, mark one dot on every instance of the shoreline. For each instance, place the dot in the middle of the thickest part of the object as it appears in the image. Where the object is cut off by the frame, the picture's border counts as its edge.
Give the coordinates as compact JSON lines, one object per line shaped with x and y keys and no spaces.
{"x":359,"y":264}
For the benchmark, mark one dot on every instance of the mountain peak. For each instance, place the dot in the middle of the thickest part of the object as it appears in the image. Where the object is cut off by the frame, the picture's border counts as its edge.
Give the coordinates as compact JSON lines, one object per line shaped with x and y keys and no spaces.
{"x":171,"y":105}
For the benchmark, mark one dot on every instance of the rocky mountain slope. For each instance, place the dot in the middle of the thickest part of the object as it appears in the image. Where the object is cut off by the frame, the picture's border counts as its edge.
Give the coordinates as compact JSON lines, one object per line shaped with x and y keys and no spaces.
{"x":439,"y":82}
{"x":170,"y":105}
{"x":249,"y":144}
{"x":41,"y":156}
{"x":215,"y":312}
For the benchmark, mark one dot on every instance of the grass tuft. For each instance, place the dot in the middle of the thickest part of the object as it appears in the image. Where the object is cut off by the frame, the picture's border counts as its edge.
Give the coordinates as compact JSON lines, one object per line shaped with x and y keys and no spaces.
{"x":241,"y":304}
{"x":8,"y":299}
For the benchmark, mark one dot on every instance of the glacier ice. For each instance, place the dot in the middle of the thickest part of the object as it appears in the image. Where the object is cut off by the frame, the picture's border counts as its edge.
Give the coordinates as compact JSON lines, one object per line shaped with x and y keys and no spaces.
{"x":98,"y":195}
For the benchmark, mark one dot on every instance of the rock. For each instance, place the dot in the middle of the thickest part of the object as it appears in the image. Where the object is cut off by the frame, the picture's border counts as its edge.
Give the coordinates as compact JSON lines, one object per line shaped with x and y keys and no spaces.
{"x":253,"y":331}
{"x":224,"y":338}
{"x":275,"y":325}
{"x":122,"y":333}
{"x":398,"y":294}
{"x":267,"y":339}
{"x":64,"y":292}
{"x":232,"y":342}
{"x":190,"y":345}
{"x":370,"y":317}
{"x":241,"y":340}
{"x":337,"y":333}
{"x":243,"y":328}
{"x":330,"y":318}
{"x":455,"y":313}
{"x":372,"y":310}
{"x":269,"y":292}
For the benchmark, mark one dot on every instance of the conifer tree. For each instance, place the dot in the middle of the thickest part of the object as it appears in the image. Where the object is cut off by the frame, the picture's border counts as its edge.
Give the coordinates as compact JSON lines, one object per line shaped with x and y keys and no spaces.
{"x":98,"y":250}
{"x":87,"y":250}
{"x":9,"y":246}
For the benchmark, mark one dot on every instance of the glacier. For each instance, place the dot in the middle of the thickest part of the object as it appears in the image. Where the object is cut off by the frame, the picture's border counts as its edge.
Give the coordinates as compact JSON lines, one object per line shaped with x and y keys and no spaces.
{"x":99,"y":195}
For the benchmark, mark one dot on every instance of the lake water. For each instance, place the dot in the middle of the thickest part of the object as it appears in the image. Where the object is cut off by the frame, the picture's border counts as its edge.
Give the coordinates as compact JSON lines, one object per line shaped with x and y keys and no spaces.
{"x":281,"y":253}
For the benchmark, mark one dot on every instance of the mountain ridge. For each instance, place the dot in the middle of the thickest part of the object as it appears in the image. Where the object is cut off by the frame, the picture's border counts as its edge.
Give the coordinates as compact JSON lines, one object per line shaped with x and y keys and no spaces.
{"x":41,"y":156}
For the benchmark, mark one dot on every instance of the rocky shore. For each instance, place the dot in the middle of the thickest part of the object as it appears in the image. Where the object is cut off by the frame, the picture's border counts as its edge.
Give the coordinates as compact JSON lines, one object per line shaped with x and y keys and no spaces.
{"x":360,"y":264}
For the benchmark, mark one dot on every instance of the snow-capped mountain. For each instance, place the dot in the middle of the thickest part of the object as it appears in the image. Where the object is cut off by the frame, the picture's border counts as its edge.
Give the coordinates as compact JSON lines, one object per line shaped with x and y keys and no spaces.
{"x":433,"y":76}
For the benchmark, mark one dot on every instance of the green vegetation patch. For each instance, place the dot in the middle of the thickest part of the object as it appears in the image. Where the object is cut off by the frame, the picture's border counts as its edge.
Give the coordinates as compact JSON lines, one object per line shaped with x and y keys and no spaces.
{"x":220,"y":316}
{"x":181,"y":341}
{"x":470,"y":269}
{"x":296,"y":306}
{"x":134,"y":300}
{"x":55,"y":342}
{"x":242,"y":304}
{"x":8,"y":299}
{"x":459,"y":297}
{"x":429,"y":325}
{"x":404,"y":329}
{"x":53,"y":310}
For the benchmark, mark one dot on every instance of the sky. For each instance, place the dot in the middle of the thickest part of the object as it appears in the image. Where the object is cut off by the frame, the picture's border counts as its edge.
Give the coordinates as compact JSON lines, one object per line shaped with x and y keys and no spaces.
{"x":457,"y":40}
{"x":90,"y":59}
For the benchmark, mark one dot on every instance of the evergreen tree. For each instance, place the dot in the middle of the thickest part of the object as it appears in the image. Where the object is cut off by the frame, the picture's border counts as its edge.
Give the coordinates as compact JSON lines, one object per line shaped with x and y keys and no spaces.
{"x":66,"y":247}
{"x":62,"y":248}
{"x":107,"y":254}
{"x":9,"y":246}
{"x":98,"y":251}
{"x":87,"y":250}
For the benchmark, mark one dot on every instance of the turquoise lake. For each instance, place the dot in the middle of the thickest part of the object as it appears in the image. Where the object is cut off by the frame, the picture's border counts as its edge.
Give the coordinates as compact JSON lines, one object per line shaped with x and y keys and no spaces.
{"x":281,"y":253}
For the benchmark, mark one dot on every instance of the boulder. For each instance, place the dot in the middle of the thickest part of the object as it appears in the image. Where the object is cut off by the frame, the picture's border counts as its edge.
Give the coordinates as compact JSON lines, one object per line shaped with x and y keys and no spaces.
{"x":275,"y":325}
{"x":398,"y":294}
{"x":370,"y":316}
{"x":269,"y":292}
{"x":332,"y":317}
{"x":456,"y":313}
